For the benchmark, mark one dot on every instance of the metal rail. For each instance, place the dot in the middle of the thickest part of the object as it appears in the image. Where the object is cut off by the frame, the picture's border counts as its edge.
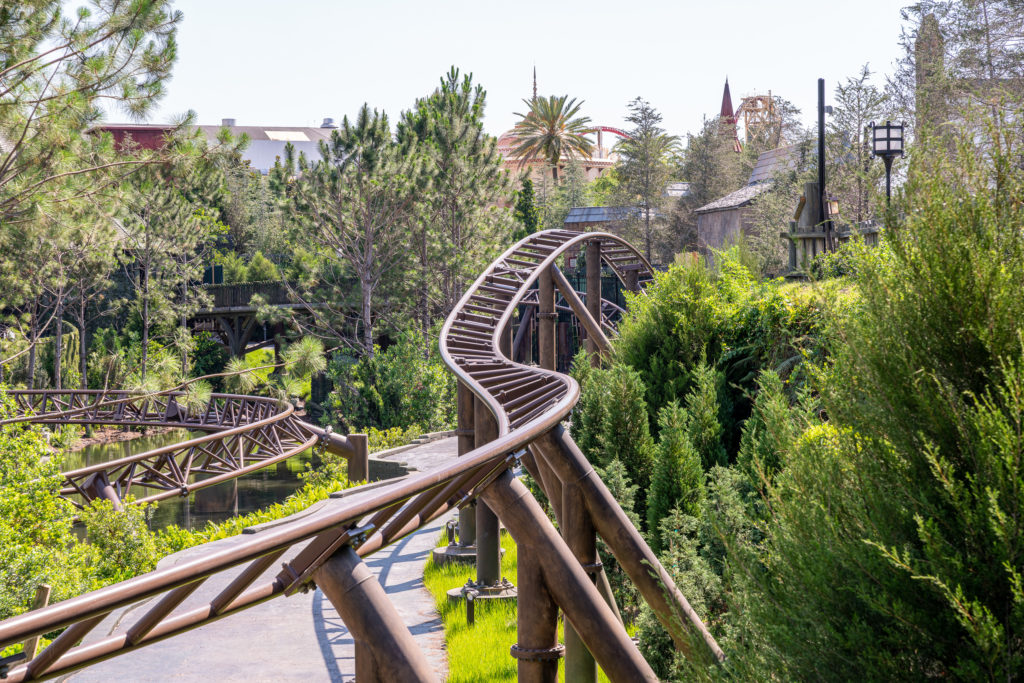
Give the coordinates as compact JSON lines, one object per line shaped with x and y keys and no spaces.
{"x":243,"y":434}
{"x":527,"y":403}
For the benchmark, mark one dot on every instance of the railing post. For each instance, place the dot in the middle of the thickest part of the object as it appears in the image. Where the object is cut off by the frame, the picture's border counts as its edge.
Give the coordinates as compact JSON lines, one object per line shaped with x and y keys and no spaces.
{"x":546,"y":318}
{"x":359,"y":462}
{"x":385,"y":650}
{"x":594,"y":295}
{"x":42,"y":599}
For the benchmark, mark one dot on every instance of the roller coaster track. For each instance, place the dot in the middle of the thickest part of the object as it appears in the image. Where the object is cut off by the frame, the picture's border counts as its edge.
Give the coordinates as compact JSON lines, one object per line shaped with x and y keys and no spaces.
{"x":526,"y":405}
{"x":242,"y":434}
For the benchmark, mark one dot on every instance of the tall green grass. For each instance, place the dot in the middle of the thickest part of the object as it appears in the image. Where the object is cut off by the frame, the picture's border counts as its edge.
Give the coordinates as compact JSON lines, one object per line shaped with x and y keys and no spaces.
{"x":479,"y":652}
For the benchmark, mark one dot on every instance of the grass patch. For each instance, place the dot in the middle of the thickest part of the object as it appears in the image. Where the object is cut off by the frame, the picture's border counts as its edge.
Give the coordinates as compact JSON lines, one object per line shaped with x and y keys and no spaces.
{"x":479,"y":652}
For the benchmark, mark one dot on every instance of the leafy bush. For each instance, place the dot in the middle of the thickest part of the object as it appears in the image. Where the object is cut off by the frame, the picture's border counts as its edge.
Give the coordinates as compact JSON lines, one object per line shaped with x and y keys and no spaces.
{"x":725,"y":318}
{"x":121,"y":543}
{"x":396,"y":387}
{"x":893,"y":539}
{"x":261,"y":269}
{"x":613,"y":424}
{"x":36,"y":542}
{"x":383,"y":439}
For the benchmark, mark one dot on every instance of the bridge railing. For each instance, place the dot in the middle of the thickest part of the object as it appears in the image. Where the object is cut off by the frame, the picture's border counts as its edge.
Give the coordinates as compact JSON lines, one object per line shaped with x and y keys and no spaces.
{"x":240,"y":295}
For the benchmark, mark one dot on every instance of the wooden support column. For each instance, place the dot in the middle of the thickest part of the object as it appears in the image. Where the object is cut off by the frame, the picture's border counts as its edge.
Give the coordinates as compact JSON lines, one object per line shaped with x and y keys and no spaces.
{"x":537,"y":649}
{"x":578,"y":532}
{"x":488,"y":543}
{"x":566,"y":581}
{"x":385,"y":650}
{"x":467,"y":515}
{"x":594,"y":295}
{"x":632,"y":280}
{"x":546,"y":321}
{"x":634,"y":555}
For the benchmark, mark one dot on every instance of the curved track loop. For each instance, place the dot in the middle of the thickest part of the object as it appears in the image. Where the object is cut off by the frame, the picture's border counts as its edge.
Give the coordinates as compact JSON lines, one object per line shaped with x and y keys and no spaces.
{"x":529,"y":403}
{"x":244,"y":434}
{"x":471,"y":337}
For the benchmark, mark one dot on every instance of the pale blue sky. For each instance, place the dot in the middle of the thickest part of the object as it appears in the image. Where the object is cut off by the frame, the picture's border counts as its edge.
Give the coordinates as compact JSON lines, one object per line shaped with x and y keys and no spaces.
{"x":267,"y":62}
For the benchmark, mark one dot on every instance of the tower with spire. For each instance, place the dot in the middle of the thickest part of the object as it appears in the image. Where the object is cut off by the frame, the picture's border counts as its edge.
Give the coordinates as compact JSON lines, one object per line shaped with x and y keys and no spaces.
{"x":727,"y":118}
{"x":534,"y":82}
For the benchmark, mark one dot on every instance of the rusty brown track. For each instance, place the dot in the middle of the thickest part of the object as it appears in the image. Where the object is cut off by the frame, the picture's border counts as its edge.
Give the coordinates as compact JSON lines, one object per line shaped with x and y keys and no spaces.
{"x":528,"y":404}
{"x":243,"y":434}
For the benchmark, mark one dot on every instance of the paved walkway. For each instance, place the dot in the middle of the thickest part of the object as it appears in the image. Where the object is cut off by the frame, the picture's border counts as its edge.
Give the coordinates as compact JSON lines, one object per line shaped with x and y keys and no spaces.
{"x":299,"y":638}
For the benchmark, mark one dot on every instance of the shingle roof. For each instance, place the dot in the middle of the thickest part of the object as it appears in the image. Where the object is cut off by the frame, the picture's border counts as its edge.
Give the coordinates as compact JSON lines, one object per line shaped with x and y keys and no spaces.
{"x":598,"y":214}
{"x":740,"y":197}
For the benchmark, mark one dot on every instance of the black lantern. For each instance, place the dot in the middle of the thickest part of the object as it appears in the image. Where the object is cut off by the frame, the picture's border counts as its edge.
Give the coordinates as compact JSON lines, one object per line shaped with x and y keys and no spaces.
{"x":887,"y":142}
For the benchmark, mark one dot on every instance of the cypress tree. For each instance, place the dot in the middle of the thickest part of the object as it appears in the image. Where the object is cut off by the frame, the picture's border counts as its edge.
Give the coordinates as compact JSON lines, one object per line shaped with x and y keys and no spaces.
{"x":526,"y":214}
{"x":678,"y":480}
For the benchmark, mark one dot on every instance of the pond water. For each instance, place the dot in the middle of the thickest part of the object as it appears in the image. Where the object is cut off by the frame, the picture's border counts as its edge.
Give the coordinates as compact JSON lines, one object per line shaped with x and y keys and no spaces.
{"x":217,"y":503}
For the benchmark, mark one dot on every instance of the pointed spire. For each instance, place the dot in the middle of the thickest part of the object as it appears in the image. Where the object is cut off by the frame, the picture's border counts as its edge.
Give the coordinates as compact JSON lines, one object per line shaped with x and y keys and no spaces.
{"x":534,"y":82}
{"x":727,"y":113}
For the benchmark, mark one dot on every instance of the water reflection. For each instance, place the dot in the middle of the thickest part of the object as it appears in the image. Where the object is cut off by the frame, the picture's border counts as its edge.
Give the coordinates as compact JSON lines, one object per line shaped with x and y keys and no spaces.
{"x":217,"y":503}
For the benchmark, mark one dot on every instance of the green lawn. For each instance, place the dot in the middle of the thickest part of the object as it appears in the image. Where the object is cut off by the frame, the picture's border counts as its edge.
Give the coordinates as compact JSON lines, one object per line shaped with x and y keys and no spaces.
{"x":479,"y":652}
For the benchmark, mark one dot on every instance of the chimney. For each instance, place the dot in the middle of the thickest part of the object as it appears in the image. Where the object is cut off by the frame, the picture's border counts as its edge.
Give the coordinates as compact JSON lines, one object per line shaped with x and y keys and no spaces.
{"x":328,"y":123}
{"x":228,"y":123}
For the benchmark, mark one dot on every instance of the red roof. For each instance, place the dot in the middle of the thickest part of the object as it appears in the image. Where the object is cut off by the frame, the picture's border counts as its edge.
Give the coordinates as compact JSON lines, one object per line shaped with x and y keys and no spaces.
{"x":727,"y":113}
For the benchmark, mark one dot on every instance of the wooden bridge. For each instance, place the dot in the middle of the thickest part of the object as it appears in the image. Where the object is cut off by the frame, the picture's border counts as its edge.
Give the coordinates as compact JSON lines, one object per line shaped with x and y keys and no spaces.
{"x":509,"y":414}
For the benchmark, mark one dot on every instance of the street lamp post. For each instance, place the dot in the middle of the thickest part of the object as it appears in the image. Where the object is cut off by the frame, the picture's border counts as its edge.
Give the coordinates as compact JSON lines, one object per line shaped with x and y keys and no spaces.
{"x":887,"y":142}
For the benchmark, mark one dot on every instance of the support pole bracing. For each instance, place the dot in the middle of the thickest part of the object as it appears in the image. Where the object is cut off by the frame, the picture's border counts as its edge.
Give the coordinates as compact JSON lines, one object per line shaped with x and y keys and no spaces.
{"x":546,"y":318}
{"x":377,"y":630}
{"x":632,"y":280}
{"x":594,"y":295}
{"x":578,"y":532}
{"x":568,"y":584}
{"x":634,"y":555}
{"x":590,"y":324}
{"x":488,"y":543}
{"x":467,"y":515}
{"x":537,"y":649}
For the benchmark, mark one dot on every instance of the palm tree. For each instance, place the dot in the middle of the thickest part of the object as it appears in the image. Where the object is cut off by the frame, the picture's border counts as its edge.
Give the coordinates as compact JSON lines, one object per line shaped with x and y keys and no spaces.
{"x":551,"y":130}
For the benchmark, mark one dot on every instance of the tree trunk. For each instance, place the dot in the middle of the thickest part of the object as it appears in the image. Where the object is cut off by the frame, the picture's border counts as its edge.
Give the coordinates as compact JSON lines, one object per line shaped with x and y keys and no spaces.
{"x":145,"y":321}
{"x":58,"y":339}
{"x":33,"y":337}
{"x":367,"y":295}
{"x":83,"y":346}
{"x":424,"y":294}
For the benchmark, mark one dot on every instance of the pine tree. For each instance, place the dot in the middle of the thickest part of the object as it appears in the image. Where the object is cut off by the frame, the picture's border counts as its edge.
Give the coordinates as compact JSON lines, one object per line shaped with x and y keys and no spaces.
{"x":678,"y":480}
{"x":644,"y":168}
{"x":526,"y":213}
{"x":702,"y":424}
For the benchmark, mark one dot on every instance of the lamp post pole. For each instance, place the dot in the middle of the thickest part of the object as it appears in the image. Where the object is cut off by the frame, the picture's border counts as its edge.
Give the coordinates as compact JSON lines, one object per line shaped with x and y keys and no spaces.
{"x":887,"y":142}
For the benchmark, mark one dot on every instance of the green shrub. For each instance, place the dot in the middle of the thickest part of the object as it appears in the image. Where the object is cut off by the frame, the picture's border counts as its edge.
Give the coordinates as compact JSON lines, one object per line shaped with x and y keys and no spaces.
{"x":121,"y":543}
{"x":678,"y":481}
{"x":36,"y":542}
{"x":396,"y":387}
{"x":893,"y":540}
{"x":261,"y":269}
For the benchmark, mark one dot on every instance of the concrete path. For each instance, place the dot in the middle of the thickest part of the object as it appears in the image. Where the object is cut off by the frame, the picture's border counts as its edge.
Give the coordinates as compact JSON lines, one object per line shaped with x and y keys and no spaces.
{"x":299,"y":638}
